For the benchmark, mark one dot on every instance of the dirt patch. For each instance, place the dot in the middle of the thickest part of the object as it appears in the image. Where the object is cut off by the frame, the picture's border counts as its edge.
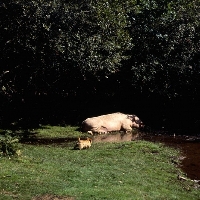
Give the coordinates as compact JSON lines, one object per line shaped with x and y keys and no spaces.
{"x":52,"y":197}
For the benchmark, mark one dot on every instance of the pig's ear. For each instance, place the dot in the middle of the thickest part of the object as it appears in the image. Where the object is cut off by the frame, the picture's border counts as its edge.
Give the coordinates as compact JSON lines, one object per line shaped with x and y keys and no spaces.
{"x":131,"y":117}
{"x":136,"y":119}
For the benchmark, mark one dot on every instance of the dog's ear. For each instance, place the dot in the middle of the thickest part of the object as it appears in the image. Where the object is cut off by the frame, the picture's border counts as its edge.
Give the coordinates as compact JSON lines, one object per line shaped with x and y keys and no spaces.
{"x":79,"y":139}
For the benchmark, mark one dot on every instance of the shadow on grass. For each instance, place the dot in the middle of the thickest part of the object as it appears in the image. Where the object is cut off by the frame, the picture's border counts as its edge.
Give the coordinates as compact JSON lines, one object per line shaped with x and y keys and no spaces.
{"x":48,"y":141}
{"x":28,"y":131}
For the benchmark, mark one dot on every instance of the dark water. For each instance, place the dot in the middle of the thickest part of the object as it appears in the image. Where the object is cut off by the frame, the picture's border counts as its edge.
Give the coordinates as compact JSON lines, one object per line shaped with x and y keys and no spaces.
{"x":190,"y":148}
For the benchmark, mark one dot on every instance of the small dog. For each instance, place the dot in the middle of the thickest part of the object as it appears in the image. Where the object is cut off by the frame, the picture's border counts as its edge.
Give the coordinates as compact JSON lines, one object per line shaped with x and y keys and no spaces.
{"x":83,"y":144}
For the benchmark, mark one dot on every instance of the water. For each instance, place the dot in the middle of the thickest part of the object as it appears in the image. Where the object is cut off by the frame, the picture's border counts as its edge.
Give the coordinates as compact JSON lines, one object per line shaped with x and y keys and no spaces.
{"x":190,"y":148}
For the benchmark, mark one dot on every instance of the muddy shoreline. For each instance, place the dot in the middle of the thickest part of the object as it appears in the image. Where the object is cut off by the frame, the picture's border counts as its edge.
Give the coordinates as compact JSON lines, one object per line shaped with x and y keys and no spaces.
{"x":190,"y":148}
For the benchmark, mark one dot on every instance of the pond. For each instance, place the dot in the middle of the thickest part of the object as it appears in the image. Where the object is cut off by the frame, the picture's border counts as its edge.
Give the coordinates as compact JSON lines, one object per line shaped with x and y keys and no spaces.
{"x":189,"y":146}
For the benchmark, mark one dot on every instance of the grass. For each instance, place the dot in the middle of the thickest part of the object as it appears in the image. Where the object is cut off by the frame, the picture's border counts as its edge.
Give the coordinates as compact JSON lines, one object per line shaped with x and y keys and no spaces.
{"x":58,"y":132}
{"x":115,"y":171}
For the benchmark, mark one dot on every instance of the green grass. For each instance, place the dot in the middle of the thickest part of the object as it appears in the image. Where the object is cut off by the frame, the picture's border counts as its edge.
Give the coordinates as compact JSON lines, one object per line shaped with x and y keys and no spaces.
{"x":115,"y":171}
{"x":58,"y":132}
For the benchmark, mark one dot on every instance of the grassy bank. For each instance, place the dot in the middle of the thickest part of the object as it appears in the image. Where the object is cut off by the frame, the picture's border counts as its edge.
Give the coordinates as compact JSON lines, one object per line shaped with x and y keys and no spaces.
{"x":115,"y":171}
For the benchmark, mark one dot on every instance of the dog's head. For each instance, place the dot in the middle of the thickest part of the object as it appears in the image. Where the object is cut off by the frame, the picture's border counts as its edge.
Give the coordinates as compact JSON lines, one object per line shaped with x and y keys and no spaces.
{"x":89,"y":140}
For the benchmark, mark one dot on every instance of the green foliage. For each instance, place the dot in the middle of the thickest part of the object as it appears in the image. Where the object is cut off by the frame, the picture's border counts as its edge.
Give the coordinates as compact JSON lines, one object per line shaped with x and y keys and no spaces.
{"x":51,"y":40}
{"x":9,"y":145}
{"x":43,"y":42}
{"x":89,"y":49}
{"x":166,"y":46}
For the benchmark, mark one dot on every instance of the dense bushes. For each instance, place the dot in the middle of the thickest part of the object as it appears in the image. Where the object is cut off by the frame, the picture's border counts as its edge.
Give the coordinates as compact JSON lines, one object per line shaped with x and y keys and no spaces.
{"x":9,"y":145}
{"x":80,"y":58}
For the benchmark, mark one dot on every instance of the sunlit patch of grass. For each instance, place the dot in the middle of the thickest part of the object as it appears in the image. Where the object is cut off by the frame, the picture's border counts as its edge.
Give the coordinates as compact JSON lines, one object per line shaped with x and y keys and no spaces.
{"x":58,"y":131}
{"x":52,"y":132}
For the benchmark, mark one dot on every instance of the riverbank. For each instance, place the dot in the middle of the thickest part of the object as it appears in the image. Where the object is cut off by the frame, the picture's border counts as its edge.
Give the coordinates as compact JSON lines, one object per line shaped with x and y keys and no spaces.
{"x":108,"y":170}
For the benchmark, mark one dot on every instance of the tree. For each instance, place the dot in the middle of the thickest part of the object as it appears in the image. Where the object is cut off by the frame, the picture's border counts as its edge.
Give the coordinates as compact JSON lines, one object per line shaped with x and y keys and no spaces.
{"x":164,"y":62}
{"x":166,"y":44}
{"x":55,"y":44}
{"x":59,"y":48}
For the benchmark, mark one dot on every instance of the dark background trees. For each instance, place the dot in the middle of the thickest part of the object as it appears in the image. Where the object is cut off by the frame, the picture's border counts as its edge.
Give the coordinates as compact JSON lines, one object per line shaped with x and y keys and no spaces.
{"x":64,"y":61}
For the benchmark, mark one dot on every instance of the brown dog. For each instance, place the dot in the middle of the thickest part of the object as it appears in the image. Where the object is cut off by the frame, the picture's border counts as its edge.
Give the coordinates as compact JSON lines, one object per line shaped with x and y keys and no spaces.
{"x":83,"y":144}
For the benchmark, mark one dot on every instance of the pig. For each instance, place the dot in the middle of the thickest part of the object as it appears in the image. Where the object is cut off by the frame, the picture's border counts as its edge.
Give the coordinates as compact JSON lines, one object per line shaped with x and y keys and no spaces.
{"x":111,"y":122}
